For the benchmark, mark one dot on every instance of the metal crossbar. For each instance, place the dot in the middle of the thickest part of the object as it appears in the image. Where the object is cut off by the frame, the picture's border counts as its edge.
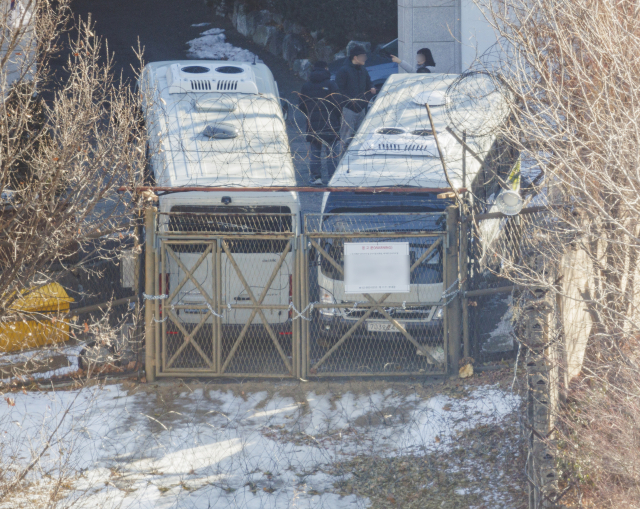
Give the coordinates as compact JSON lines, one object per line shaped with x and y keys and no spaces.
{"x":256,"y":310}
{"x":376,"y":306}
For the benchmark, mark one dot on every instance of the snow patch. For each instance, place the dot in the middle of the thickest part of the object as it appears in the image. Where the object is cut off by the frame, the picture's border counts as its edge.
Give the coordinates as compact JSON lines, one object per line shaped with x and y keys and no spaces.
{"x":212,"y":45}
{"x":224,"y":451}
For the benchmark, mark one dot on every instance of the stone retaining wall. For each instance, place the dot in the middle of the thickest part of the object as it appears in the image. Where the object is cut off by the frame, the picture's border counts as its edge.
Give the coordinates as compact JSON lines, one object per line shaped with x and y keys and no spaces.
{"x":280,"y":37}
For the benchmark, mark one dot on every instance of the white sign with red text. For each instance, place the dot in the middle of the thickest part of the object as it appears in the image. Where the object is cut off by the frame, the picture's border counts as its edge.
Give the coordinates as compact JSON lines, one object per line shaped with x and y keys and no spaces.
{"x":376,"y":267}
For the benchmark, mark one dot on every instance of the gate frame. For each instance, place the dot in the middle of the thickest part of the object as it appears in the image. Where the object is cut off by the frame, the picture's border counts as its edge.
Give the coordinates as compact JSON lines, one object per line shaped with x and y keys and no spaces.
{"x":300,"y":244}
{"x":452,"y":323}
{"x":216,"y":242}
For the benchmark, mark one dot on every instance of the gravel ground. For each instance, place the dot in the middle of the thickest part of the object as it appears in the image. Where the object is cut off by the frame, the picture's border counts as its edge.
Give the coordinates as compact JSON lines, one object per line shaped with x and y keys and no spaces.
{"x":483,"y":470}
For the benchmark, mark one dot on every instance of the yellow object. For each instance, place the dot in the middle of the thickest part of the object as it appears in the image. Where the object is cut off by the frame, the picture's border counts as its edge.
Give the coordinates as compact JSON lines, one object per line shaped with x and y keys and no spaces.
{"x":44,"y":306}
{"x":466,"y":371}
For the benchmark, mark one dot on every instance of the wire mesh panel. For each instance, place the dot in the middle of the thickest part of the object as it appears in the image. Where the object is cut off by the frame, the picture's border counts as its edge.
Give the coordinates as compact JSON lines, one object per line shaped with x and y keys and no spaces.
{"x":257,"y":280}
{"x":380,"y":333}
{"x":499,"y":248}
{"x":186,"y":279}
{"x":227,"y":282}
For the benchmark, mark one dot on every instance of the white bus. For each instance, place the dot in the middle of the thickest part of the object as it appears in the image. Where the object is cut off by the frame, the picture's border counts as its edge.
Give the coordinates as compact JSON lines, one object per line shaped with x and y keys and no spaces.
{"x":395,"y":147}
{"x":220,"y":124}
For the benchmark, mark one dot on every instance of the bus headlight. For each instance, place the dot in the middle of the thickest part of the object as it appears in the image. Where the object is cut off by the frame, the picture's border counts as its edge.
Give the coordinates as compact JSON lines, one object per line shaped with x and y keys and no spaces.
{"x":327,"y":298}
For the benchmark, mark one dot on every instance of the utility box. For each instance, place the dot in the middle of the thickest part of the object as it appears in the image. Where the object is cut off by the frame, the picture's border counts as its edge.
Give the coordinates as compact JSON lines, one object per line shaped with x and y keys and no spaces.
{"x":44,"y":319}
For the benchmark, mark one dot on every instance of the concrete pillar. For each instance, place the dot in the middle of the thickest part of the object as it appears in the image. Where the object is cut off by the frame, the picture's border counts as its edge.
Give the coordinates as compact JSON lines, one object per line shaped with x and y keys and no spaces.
{"x":433,"y":24}
{"x":456,"y":32}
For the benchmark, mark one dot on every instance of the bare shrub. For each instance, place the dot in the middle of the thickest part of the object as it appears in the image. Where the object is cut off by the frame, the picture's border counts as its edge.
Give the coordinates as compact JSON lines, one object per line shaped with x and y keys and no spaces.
{"x":70,"y":136}
{"x":68,"y":140}
{"x":571,"y":71}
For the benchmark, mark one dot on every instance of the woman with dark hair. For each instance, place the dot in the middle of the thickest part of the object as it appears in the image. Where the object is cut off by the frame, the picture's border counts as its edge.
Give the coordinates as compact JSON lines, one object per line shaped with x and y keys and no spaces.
{"x":424,"y":59}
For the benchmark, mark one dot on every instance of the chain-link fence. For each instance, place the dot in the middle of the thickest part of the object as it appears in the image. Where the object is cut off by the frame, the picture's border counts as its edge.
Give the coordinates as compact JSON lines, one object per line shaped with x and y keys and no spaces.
{"x":496,"y":244}
{"x":523,"y":266}
{"x":359,"y":333}
{"x":106,"y":286}
{"x":226,"y":287}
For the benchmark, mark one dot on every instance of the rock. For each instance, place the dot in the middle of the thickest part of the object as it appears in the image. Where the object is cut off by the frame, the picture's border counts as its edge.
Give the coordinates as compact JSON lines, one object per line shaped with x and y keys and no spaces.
{"x":302,"y":67}
{"x":365,"y":45}
{"x":238,"y":9}
{"x":248,"y":22}
{"x":297,"y":29}
{"x":293,"y":47}
{"x":293,"y":28}
{"x":466,"y":371}
{"x":324,"y":51}
{"x":223,"y":9}
{"x":241,"y":21}
{"x":274,"y":45}
{"x":263,"y":34}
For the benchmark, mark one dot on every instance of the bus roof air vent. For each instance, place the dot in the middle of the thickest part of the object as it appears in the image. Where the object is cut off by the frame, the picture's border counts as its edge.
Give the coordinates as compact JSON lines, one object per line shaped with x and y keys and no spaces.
{"x":203,"y":79}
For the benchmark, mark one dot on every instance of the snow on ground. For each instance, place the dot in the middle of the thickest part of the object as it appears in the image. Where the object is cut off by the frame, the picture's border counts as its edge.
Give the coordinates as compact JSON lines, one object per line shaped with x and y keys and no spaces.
{"x":212,"y":45}
{"x":41,"y":357}
{"x":216,"y":448}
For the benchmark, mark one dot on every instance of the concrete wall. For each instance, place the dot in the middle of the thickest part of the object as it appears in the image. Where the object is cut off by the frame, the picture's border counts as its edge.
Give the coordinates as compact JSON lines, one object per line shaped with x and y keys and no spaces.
{"x":576,"y":269}
{"x":433,"y":24}
{"x":454,"y":30}
{"x":477,"y":35}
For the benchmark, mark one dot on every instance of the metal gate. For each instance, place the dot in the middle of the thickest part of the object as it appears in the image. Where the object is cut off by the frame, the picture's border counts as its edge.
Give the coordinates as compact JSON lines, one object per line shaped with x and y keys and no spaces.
{"x":491,"y":243}
{"x":380,"y":334}
{"x":250,"y":295}
{"x":225,"y":293}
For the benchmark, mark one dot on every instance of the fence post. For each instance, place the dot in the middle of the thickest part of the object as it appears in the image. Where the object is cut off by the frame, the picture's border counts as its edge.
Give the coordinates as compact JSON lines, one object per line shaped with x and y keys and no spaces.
{"x":295,"y":324}
{"x":538,"y":321}
{"x":453,"y":310}
{"x":138,"y":284}
{"x":464,"y":275}
{"x":150,"y":343}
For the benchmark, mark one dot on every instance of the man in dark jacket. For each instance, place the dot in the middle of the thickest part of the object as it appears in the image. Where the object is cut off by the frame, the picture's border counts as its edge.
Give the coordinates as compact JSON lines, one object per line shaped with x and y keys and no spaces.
{"x":354,"y":83}
{"x":319,"y":101}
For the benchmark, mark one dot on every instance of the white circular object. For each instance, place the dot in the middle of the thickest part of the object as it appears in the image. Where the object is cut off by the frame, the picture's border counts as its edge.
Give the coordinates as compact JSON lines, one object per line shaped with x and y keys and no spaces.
{"x":509,"y":203}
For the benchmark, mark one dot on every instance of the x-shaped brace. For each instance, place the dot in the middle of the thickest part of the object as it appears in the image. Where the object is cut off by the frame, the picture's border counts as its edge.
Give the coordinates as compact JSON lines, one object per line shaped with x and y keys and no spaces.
{"x":256,"y":309}
{"x":188,"y":337}
{"x":377,"y":305}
